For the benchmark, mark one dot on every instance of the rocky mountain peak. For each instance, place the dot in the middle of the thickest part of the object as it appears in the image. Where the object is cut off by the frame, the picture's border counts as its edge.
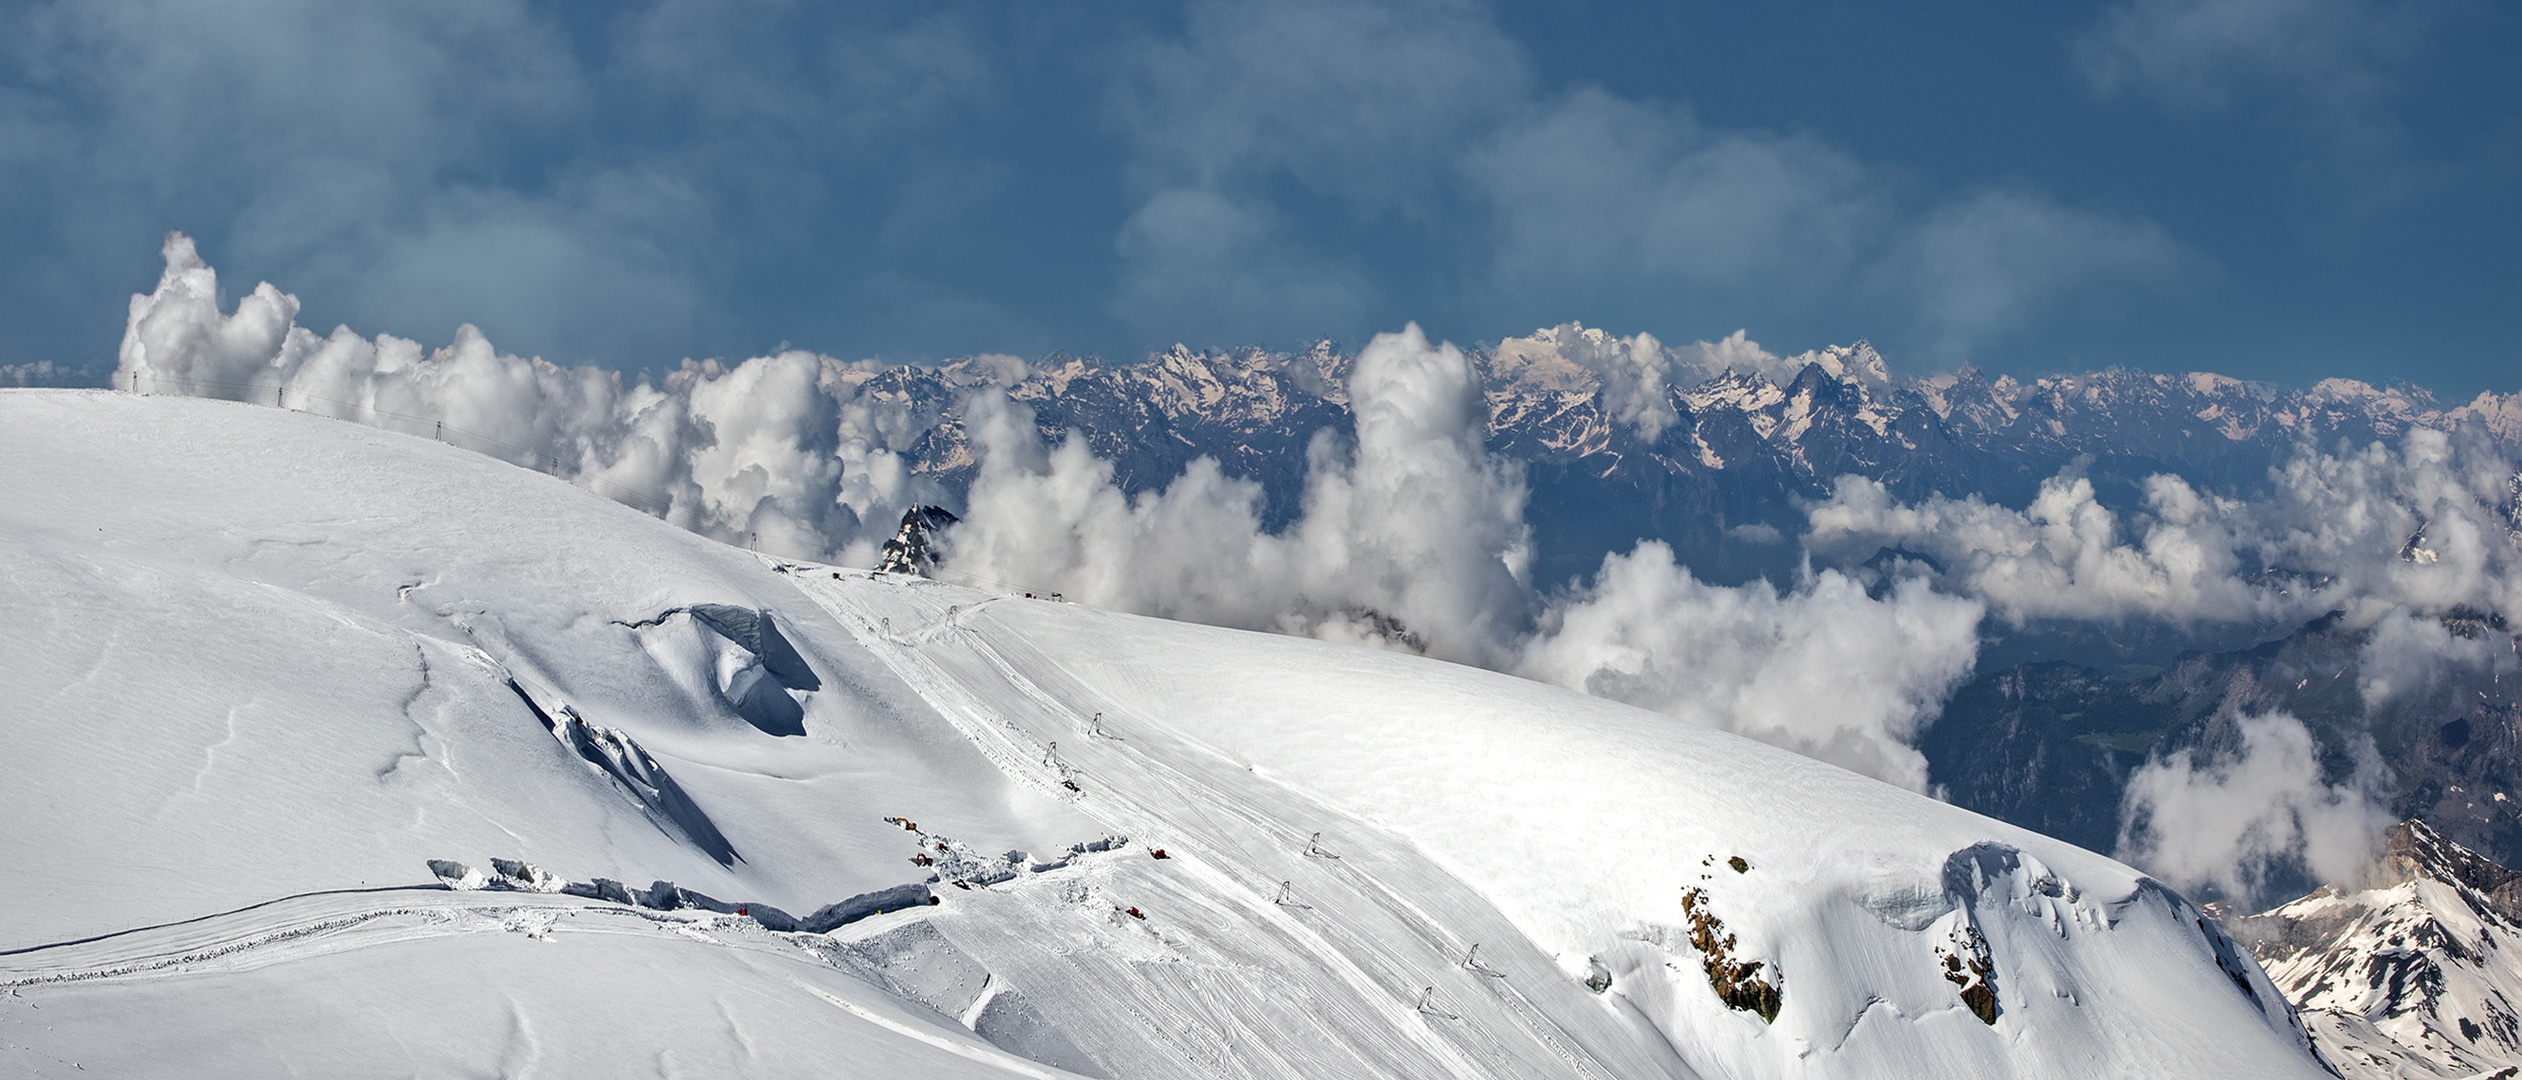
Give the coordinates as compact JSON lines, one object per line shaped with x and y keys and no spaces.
{"x":2419,"y":975}
{"x":2413,"y":849}
{"x":913,"y":549}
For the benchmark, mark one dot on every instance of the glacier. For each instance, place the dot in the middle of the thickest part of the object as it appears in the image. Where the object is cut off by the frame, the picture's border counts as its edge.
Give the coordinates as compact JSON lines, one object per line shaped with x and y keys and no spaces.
{"x":262,"y":668}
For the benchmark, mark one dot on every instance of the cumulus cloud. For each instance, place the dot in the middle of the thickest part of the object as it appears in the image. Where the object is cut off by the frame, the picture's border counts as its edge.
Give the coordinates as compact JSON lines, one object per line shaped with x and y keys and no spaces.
{"x":780,"y":452}
{"x":1825,"y":670}
{"x":2428,"y":525}
{"x":1415,"y":532}
{"x":2227,"y":820}
{"x":2063,"y":556}
{"x":2415,"y":544}
{"x":1416,"y":538}
{"x":1410,"y":536}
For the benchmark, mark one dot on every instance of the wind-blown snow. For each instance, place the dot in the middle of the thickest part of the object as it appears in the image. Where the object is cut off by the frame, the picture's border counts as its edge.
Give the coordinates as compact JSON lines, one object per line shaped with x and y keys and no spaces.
{"x":257,"y":658}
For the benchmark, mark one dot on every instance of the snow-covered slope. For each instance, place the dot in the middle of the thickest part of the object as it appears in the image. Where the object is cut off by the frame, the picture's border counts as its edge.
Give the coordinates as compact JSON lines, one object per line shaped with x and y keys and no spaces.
{"x":2417,"y":977}
{"x":259,"y":667}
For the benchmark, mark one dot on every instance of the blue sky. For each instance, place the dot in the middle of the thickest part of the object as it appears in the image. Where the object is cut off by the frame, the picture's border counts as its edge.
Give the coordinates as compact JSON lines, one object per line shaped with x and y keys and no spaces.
{"x":2276,"y":189}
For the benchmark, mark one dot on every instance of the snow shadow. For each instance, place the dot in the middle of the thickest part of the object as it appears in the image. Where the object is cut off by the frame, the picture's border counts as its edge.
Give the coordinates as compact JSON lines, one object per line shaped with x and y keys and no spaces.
{"x":759,"y":684}
{"x":620,"y":757}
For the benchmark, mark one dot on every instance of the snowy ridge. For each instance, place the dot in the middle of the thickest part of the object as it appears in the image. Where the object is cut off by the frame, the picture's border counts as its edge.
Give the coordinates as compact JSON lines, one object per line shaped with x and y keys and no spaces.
{"x":2419,"y":976}
{"x":269,"y":663}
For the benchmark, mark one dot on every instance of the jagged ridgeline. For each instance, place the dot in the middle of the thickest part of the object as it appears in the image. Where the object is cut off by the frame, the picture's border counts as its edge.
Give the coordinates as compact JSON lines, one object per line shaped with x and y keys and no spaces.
{"x":2417,"y":975}
{"x":1715,"y":459}
{"x":913,"y":548}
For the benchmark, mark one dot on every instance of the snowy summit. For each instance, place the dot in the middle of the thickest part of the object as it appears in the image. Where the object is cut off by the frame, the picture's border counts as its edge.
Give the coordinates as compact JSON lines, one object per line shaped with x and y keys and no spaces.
{"x":342,"y":751}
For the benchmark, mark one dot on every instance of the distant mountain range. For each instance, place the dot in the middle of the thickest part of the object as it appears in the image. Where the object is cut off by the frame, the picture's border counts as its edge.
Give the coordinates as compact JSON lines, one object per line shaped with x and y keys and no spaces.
{"x":1719,"y":467}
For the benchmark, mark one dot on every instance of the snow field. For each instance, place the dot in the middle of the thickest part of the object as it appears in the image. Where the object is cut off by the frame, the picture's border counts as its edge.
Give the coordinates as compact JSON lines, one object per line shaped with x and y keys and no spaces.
{"x":254,"y":654}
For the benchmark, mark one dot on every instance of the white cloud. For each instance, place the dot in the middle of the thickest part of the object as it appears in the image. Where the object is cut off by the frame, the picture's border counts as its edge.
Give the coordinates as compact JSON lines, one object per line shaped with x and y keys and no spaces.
{"x":2226,"y":820}
{"x":2409,"y":655}
{"x":782,"y":452}
{"x":2332,"y":530}
{"x":1416,"y":530}
{"x":2063,"y":556}
{"x":1825,"y":670}
{"x":1413,"y":537}
{"x":1417,"y":538}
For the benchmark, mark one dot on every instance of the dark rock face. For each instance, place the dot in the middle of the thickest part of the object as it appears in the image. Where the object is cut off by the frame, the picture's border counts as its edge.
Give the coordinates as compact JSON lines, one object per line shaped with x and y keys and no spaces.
{"x":2050,"y":745}
{"x":913,"y":549}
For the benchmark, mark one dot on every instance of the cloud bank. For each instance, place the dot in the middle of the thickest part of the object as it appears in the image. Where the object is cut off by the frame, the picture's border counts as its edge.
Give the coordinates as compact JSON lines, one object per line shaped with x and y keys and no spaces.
{"x":783,"y":453}
{"x":2418,"y":546}
{"x":1411,"y":536}
{"x":2227,"y":820}
{"x":1415,"y":537}
{"x":2431,"y":524}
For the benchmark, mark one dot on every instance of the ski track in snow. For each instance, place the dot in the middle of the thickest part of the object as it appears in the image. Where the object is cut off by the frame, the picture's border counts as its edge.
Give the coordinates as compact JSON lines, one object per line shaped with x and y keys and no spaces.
{"x":1383,"y":947}
{"x":1457,"y":809}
